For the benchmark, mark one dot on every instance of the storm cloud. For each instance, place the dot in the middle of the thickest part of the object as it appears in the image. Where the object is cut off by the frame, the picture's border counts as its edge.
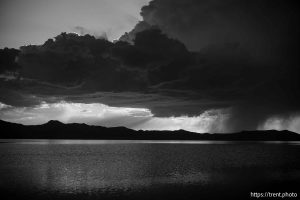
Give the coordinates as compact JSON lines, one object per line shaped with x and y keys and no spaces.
{"x":266,"y":29}
{"x":185,"y":59}
{"x":8,"y":61}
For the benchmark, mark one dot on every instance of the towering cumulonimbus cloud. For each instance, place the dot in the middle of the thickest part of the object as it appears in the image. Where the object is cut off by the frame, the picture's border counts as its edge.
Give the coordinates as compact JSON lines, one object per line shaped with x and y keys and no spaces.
{"x":249,"y":50}
{"x":185,"y":58}
{"x":264,"y":28}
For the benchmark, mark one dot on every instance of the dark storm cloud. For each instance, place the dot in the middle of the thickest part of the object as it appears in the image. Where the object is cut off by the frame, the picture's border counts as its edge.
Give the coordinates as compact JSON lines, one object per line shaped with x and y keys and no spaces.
{"x":73,"y":60}
{"x":8,"y":60}
{"x":97,"y":64}
{"x":246,"y":63}
{"x":151,"y":48}
{"x":139,"y":27}
{"x":248,"y":53}
{"x":71,"y":64}
{"x":264,"y":27}
{"x":253,"y":91}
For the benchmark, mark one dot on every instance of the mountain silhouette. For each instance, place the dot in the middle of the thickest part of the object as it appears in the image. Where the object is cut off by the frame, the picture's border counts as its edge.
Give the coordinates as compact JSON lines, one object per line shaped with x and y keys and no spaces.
{"x":58,"y":130}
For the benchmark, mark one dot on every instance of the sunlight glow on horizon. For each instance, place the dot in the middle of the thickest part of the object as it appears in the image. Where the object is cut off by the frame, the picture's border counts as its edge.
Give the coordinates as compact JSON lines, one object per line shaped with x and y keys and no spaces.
{"x":103,"y":115}
{"x":210,"y":121}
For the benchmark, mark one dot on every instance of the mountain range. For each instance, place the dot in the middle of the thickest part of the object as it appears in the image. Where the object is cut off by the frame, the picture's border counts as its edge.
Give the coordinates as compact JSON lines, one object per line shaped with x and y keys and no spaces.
{"x":57,"y":130}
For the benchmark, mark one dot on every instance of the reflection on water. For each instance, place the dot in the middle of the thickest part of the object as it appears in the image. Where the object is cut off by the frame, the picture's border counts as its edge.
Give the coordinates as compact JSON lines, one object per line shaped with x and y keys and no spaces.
{"x":81,"y":142}
{"x":74,"y":166}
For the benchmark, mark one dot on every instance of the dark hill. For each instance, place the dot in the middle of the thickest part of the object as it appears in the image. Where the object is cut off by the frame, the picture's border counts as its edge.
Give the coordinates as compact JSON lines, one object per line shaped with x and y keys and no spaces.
{"x":58,"y":130}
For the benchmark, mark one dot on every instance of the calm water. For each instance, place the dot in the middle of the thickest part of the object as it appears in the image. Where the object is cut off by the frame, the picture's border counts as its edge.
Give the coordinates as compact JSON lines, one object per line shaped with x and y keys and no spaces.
{"x":62,"y":169}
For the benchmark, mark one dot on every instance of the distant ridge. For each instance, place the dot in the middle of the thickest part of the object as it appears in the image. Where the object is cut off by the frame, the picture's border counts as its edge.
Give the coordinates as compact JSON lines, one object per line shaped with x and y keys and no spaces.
{"x":58,"y":130}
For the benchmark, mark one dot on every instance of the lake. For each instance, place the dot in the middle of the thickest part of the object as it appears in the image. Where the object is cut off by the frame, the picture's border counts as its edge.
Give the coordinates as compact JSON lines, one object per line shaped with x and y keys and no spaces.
{"x":99,"y":169}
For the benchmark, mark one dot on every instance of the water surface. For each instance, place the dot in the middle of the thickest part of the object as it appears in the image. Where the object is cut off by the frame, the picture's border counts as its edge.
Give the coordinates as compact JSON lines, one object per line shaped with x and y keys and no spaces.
{"x":91,"y":169}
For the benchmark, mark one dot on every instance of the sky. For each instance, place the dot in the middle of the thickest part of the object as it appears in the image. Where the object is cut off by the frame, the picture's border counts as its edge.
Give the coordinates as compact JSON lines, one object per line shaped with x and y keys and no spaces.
{"x":198,"y":65}
{"x":34,"y":21}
